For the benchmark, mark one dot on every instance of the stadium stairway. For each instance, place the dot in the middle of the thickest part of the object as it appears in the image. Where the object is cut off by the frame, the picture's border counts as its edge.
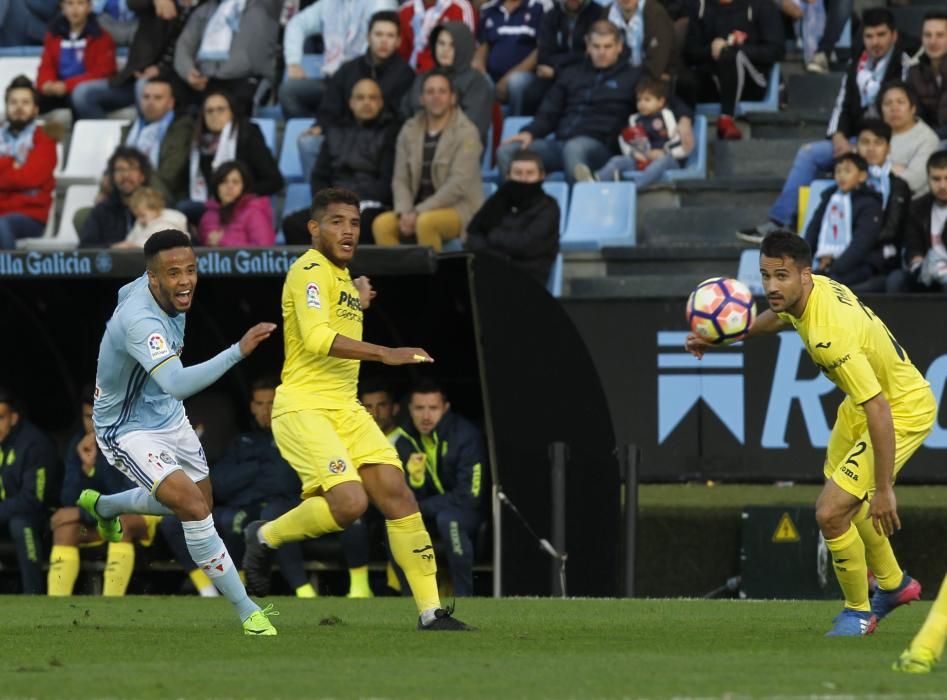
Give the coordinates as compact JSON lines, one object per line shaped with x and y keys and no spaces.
{"x":685,"y":229}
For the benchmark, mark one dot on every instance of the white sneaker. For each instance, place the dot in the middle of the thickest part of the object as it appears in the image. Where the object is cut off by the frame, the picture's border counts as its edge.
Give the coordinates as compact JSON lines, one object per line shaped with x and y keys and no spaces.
{"x":583,"y":173}
{"x":819,"y":64}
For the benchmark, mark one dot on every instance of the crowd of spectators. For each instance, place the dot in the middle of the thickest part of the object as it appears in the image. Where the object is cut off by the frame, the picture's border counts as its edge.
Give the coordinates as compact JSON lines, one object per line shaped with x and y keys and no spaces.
{"x":405,"y":96}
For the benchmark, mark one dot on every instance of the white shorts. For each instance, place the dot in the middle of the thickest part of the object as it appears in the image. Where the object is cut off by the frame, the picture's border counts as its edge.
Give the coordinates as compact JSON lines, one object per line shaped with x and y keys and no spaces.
{"x":147,"y":457}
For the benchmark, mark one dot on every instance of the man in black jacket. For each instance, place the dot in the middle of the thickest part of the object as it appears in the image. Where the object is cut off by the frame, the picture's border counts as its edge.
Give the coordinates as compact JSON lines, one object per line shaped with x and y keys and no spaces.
{"x":883,"y":59}
{"x":358,"y":154}
{"x":381,"y":62}
{"x":731,"y":47}
{"x":446,"y":467}
{"x":586,"y":108}
{"x":110,"y":220}
{"x":519,"y":221}
{"x":29,"y":472}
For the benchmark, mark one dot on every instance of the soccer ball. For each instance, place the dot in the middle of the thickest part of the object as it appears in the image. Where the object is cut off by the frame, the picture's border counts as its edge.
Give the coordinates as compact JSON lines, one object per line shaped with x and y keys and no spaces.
{"x":721,"y":310}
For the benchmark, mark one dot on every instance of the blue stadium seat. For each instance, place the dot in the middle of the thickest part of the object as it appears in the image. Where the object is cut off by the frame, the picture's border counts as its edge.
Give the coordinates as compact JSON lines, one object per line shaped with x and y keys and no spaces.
{"x":815,"y":195}
{"x":600,"y":214}
{"x":748,"y":271}
{"x":298,"y":196}
{"x":769,"y":103}
{"x":489,"y":188}
{"x":312,"y":64}
{"x":512,"y":126}
{"x":560,"y":192}
{"x":845,"y":39}
{"x":268,"y":128}
{"x":289,"y":163}
{"x":696,"y":166}
{"x":554,"y":284}
{"x":21,"y":52}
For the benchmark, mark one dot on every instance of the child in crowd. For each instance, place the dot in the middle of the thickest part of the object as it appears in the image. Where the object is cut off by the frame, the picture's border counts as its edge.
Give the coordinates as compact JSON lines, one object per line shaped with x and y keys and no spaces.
{"x":76,"y":49}
{"x":654,"y":141}
{"x":151,"y":216}
{"x":235,"y":217}
{"x":844,"y":230}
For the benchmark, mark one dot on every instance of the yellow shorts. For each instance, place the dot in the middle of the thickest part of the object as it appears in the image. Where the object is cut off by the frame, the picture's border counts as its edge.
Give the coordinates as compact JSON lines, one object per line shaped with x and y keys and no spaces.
{"x":327,"y":447}
{"x":850,"y":460}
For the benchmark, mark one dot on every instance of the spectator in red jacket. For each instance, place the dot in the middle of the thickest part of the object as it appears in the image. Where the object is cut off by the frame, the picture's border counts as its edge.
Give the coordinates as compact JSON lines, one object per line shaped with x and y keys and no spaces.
{"x":418,"y":19}
{"x":27,"y":161}
{"x":76,"y":49}
{"x":235,"y":217}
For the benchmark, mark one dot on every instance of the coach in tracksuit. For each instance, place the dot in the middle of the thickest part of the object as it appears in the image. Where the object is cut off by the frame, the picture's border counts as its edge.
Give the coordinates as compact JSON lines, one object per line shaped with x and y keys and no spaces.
{"x":445,"y":464}
{"x":29,"y":470}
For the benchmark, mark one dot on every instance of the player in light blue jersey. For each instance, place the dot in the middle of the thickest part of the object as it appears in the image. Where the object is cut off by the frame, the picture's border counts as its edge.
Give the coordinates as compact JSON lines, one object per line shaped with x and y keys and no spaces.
{"x":139,"y":419}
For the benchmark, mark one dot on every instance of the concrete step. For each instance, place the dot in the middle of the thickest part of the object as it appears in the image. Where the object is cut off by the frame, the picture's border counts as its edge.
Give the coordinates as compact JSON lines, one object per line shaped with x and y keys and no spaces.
{"x":807,"y":91}
{"x":698,"y":226}
{"x":805,"y":125}
{"x":644,"y":285}
{"x":769,"y":157}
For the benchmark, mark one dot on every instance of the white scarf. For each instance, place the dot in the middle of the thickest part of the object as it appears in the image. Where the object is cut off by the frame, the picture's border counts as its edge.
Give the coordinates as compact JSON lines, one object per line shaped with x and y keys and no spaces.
{"x":879,"y":180}
{"x":226,"y":150}
{"x":147,"y":137}
{"x":17,"y":146}
{"x":836,"y":232}
{"x":220,"y":30}
{"x":422,"y":22}
{"x":869,"y":79}
{"x":633,"y":28}
{"x":345,"y":33}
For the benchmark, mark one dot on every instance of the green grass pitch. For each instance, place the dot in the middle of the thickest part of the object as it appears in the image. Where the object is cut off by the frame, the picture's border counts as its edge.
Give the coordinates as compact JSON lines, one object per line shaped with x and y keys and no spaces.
{"x":149,"y":647}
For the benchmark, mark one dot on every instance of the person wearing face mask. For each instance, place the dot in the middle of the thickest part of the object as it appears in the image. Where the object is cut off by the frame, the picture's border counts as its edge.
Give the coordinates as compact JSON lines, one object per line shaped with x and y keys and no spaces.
{"x":453,"y":51}
{"x":519,"y":221}
{"x":27,"y":161}
{"x":235,"y":217}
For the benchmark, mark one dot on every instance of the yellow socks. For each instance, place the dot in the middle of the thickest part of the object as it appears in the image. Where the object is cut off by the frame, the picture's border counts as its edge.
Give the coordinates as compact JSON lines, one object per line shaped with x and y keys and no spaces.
{"x":391,"y":578}
{"x":63,"y":570}
{"x":412,"y":549}
{"x":120,"y":563}
{"x":310,"y":518}
{"x":878,"y":552}
{"x":306,"y":591}
{"x":934,"y":629}
{"x":848,"y":557}
{"x":203,"y":584}
{"x":358,"y":583}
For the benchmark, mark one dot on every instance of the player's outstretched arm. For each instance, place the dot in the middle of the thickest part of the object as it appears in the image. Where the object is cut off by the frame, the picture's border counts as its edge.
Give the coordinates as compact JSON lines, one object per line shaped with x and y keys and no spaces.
{"x":766,"y":323}
{"x":350,"y":349}
{"x":256,"y":335}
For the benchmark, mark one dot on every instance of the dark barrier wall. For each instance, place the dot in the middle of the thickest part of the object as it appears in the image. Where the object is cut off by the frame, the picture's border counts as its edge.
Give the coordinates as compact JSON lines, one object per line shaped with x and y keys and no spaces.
{"x":759,"y":411}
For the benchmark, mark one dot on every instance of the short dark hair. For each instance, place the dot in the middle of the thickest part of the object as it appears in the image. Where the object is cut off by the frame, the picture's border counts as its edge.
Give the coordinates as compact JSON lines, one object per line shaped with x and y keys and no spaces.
{"x":375,"y":386}
{"x":427,"y":385}
{"x":231,"y":103}
{"x":937,"y":160}
{"x":906,"y":88}
{"x":658,"y":88}
{"x":223,"y":170}
{"x":21,"y":82}
{"x":525,"y":156}
{"x":878,"y":127}
{"x":385,"y":16}
{"x":935,"y":14}
{"x":129,"y":153}
{"x":876,"y":16}
{"x":434,"y":73}
{"x":268,"y":381}
{"x":165,"y":240}
{"x":603,"y":27}
{"x":783,"y":243}
{"x":853,"y":158}
{"x":9,"y":398}
{"x":161,"y":80}
{"x":332,"y":195}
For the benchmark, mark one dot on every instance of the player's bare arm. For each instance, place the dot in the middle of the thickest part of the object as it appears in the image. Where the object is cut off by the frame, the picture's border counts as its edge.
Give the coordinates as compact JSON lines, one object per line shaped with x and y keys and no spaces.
{"x":256,"y":335}
{"x":883,"y":508}
{"x":347,"y":348}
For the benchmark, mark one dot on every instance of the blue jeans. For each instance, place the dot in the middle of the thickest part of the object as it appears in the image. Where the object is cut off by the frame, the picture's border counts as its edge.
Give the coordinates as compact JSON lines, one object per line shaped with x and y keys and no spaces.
{"x":642,"y":178}
{"x":309,"y":146}
{"x":16,"y":226}
{"x":559,"y":155}
{"x":94,"y":99}
{"x":837,"y":14}
{"x":300,"y":97}
{"x":518,"y":91}
{"x":811,"y":159}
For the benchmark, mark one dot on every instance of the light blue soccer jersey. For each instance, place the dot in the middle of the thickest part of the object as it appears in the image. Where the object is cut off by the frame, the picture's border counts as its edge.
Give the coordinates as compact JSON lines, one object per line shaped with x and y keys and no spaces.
{"x":138,"y":338}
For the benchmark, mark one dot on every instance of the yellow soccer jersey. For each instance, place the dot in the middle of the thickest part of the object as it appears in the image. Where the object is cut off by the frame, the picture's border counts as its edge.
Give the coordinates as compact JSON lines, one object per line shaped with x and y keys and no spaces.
{"x":852,"y":346}
{"x":320,"y":302}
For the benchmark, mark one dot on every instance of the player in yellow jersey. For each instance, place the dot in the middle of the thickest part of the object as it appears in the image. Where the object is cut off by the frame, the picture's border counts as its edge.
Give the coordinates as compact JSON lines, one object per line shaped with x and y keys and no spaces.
{"x":321,"y":429}
{"x":887,"y":413}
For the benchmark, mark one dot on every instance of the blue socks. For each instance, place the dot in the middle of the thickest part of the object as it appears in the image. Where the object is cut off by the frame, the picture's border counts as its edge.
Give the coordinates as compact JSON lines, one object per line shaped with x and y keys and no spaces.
{"x":211,"y":556}
{"x":132,"y":501}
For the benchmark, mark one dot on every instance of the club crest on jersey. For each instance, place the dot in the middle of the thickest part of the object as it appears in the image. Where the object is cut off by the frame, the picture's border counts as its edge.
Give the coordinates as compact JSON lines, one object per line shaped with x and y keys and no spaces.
{"x":337,"y":466}
{"x":158,"y":346}
{"x":312,"y":296}
{"x":166,"y":458}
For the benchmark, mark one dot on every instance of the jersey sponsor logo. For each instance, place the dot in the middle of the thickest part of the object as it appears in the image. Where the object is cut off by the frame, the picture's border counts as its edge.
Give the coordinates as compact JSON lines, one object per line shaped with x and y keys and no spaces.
{"x":350,"y":300}
{"x":832,"y":366}
{"x":337,"y":466}
{"x":313,"y":300}
{"x":166,"y":458}
{"x":158,"y":346}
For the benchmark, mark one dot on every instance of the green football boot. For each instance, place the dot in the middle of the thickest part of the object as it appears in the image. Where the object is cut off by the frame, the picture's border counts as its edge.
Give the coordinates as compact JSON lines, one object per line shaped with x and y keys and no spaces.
{"x":110,"y":529}
{"x":258,"y":624}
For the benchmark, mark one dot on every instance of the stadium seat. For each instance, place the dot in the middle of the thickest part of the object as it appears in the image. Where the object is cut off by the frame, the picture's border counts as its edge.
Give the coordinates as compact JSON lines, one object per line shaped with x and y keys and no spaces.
{"x":489,"y":188}
{"x":560,"y":192}
{"x":600,"y":214}
{"x":90,"y":147}
{"x":696,"y":166}
{"x":20,"y":52}
{"x":268,"y":128}
{"x":748,"y":271}
{"x":769,"y":103}
{"x":289,"y":163}
{"x":554,"y":284}
{"x":512,"y":126}
{"x":11,"y":67}
{"x":48,"y":239}
{"x":312,"y":64}
{"x":845,"y":39}
{"x":77,"y":197}
{"x":815,"y":195}
{"x":298,"y":196}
